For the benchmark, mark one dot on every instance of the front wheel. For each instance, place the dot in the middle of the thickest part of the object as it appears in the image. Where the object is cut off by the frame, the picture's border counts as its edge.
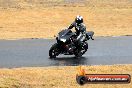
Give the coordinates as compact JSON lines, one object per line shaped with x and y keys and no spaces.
{"x":54,"y":51}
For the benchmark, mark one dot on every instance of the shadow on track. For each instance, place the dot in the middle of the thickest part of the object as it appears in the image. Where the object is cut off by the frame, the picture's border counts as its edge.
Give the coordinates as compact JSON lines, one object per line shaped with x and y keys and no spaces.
{"x":70,"y":61}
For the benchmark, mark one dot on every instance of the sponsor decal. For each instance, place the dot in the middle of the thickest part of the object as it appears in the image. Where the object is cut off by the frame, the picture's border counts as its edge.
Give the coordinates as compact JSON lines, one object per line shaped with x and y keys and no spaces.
{"x":83,"y":78}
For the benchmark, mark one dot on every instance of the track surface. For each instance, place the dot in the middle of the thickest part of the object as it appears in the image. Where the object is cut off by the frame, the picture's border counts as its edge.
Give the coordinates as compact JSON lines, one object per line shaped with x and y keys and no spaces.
{"x":34,"y":52}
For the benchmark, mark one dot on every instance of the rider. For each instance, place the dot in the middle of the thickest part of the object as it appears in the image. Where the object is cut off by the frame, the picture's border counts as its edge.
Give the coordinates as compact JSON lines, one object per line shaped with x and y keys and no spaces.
{"x":80,"y":29}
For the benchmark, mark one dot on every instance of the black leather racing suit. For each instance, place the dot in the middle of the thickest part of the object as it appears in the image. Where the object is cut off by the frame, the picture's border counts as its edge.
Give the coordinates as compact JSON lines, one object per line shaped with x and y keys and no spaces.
{"x":80,"y":31}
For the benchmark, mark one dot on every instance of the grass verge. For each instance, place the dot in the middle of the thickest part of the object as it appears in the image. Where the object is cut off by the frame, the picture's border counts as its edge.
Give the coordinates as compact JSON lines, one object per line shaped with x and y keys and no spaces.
{"x":54,"y":77}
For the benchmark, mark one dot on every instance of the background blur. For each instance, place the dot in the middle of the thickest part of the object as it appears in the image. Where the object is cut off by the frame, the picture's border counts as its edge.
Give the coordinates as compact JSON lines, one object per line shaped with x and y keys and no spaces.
{"x":45,"y":18}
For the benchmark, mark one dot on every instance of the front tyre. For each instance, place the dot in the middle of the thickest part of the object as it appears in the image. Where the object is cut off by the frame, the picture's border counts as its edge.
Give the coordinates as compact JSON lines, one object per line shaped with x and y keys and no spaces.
{"x":54,"y":51}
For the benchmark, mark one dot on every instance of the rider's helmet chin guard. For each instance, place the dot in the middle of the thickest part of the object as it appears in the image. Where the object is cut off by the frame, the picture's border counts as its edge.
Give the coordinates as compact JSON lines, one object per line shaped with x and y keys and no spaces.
{"x":79,"y":19}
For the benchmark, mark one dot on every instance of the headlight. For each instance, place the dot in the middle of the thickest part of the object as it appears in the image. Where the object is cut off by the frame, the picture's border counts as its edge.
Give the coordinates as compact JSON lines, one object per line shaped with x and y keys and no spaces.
{"x":63,"y":40}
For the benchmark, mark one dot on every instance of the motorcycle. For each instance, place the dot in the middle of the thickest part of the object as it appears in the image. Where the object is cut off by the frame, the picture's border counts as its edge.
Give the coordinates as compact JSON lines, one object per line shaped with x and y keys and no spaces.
{"x":66,"y":45}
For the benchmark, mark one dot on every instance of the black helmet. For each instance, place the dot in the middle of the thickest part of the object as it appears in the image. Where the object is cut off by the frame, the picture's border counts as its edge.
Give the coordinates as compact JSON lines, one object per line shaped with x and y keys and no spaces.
{"x":79,"y":19}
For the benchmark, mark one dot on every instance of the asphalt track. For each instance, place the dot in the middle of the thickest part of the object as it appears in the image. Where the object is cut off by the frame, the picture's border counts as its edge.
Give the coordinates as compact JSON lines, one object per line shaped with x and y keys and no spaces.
{"x":34,"y":53}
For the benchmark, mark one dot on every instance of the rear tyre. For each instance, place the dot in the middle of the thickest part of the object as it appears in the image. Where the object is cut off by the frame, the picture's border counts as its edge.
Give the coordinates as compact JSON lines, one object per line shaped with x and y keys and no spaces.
{"x":54,"y":51}
{"x":84,"y":48}
{"x":80,"y":52}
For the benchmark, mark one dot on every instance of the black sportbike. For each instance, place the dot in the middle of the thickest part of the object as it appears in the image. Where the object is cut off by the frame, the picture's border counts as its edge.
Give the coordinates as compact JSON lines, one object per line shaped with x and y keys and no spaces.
{"x":66,"y":45}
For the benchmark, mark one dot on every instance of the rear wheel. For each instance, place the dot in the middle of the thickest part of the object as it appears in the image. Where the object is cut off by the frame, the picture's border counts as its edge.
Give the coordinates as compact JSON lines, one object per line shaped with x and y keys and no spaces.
{"x":54,"y":51}
{"x":80,"y":52}
{"x":84,"y":48}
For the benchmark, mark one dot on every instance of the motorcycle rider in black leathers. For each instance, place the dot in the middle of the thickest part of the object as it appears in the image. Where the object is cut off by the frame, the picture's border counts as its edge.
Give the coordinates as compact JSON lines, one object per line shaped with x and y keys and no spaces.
{"x":80,"y":30}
